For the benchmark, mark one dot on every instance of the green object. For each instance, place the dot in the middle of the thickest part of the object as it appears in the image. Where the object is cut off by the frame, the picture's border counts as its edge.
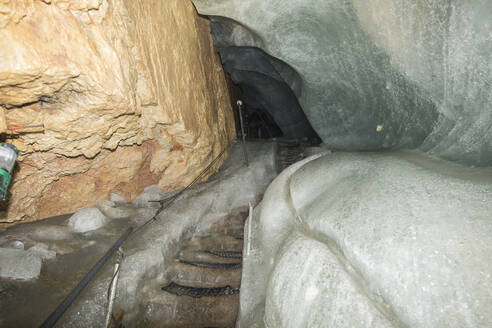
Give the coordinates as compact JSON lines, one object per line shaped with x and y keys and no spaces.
{"x":8,"y":155}
{"x":5,"y":178}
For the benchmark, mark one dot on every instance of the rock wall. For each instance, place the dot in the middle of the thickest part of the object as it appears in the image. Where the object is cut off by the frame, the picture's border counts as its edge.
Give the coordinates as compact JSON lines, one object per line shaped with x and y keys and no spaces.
{"x":131,"y":93}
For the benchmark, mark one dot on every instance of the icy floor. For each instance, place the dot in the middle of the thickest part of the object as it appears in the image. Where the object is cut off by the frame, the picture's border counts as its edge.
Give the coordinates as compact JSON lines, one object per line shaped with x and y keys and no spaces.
{"x":27,"y":303}
{"x":339,"y":239}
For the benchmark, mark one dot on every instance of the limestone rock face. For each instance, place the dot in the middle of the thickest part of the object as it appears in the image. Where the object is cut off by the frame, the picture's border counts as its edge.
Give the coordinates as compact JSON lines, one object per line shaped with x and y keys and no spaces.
{"x":131,"y":94}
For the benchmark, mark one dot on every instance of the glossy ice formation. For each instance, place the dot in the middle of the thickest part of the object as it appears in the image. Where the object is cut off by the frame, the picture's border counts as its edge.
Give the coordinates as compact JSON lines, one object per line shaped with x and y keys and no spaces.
{"x":383,"y":74}
{"x":371,"y":240}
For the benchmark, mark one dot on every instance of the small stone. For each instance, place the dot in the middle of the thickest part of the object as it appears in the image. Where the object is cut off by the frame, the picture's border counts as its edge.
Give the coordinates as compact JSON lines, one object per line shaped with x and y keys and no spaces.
{"x":42,"y":251}
{"x":87,"y":219}
{"x":19,"y":264}
{"x":114,"y":197}
{"x":17,"y":244}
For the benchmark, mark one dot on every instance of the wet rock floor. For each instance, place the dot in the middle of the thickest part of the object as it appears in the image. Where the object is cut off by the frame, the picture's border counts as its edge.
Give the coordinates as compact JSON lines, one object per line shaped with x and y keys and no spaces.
{"x":28,"y":303}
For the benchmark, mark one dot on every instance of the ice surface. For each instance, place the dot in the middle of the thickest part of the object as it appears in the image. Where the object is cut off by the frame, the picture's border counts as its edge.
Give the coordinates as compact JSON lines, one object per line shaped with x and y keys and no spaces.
{"x":382,"y":74}
{"x":19,"y":264}
{"x":42,"y":251}
{"x":52,"y":233}
{"x":371,"y":240}
{"x":150,"y":197}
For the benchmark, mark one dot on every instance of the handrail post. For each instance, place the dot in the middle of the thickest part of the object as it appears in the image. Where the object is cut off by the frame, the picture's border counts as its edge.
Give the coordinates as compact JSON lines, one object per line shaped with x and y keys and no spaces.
{"x":239,"y":105}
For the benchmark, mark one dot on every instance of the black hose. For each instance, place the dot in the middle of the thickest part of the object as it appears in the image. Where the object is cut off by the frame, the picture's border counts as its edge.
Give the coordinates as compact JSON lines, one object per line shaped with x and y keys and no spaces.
{"x":55,"y":315}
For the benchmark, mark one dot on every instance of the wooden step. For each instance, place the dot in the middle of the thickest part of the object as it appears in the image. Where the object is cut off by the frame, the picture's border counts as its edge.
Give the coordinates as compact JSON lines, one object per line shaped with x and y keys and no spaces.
{"x":167,"y":310}
{"x":234,"y":229}
{"x":215,"y":242}
{"x":190,"y":255}
{"x":179,"y":290}
{"x":201,"y":277}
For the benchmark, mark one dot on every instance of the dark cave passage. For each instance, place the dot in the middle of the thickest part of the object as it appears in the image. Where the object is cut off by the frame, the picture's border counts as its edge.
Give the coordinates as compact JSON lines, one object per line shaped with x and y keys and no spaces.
{"x":269,"y":87}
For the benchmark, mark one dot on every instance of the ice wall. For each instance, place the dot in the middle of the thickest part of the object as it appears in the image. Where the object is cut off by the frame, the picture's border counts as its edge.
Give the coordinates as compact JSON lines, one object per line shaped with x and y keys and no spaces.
{"x":371,"y":240}
{"x":386,"y":73}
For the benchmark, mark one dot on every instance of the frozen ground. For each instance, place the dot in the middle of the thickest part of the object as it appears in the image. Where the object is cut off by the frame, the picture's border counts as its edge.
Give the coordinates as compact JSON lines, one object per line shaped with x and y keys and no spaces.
{"x":69,"y":247}
{"x":371,"y":240}
{"x":339,"y":240}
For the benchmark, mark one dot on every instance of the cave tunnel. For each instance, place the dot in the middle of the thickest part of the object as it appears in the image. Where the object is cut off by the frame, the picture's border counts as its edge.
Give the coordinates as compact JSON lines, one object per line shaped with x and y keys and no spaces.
{"x":269,"y":87}
{"x":246,"y":163}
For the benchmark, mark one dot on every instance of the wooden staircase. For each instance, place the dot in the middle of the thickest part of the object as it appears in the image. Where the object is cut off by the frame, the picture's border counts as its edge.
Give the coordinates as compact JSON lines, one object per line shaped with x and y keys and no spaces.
{"x":204,"y":279}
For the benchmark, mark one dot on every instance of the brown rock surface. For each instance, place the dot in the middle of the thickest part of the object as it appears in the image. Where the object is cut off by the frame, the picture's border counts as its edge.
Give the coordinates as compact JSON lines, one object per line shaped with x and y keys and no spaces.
{"x":131,"y":93}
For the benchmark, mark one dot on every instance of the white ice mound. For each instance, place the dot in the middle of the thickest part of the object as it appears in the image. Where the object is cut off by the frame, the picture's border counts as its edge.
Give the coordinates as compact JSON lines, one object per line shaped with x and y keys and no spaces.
{"x":87,"y":219}
{"x":371,"y":240}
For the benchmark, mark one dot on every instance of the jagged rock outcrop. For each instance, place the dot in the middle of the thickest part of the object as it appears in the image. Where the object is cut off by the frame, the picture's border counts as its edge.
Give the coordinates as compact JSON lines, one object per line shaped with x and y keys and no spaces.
{"x":131,"y":93}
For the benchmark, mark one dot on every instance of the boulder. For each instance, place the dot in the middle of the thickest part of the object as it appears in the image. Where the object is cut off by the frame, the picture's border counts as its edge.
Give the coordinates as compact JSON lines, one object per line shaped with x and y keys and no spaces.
{"x":87,"y":219}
